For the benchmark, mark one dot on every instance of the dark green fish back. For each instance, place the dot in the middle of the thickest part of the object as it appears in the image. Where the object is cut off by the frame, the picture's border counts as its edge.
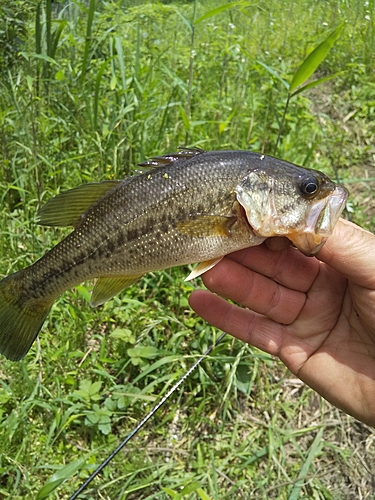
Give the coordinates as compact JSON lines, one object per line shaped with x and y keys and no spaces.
{"x":142,"y":224}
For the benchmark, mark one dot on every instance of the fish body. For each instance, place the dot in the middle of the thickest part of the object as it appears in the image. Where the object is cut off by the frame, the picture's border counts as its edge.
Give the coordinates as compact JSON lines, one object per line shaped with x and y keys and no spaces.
{"x":192,"y":206}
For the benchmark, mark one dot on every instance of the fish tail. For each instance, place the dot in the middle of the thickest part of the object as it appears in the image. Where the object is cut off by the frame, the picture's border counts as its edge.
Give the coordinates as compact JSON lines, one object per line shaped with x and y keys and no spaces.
{"x":21,"y":317}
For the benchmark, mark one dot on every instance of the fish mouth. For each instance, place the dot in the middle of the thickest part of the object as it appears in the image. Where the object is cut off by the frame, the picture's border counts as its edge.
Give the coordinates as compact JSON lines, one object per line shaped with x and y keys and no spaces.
{"x":321,"y":220}
{"x":309,"y":235}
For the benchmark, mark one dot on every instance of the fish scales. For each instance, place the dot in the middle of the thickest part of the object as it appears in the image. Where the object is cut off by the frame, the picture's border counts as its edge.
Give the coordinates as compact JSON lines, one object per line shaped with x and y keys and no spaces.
{"x":195,"y":208}
{"x":133,"y":228}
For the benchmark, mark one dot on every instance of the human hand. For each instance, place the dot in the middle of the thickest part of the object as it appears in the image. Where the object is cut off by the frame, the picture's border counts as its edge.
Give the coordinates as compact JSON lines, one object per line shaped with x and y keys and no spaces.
{"x":316,"y":314}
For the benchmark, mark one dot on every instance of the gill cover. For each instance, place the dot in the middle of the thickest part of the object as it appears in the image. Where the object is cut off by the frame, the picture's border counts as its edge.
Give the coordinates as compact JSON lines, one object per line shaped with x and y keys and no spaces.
{"x":302,"y":207}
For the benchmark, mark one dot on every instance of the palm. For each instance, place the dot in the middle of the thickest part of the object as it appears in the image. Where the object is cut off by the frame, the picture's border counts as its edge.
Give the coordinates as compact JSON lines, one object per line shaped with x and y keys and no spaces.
{"x":303,"y":311}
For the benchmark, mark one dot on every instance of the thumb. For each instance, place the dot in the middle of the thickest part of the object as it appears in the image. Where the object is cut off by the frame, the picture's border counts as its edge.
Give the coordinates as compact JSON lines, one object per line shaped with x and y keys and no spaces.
{"x":351,"y":251}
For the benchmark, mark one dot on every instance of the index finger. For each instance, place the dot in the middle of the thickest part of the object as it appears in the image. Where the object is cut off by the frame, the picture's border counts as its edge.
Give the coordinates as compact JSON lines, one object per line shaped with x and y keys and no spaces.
{"x":288,"y":267}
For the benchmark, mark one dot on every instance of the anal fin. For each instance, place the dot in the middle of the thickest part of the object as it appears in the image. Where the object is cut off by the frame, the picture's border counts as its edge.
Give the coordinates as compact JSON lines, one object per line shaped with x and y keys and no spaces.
{"x":202,"y":268}
{"x":106,"y":288}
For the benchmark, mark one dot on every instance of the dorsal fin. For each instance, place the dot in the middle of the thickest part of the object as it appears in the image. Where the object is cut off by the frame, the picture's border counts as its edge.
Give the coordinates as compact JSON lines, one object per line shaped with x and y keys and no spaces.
{"x":164,"y":160}
{"x":67,"y":208}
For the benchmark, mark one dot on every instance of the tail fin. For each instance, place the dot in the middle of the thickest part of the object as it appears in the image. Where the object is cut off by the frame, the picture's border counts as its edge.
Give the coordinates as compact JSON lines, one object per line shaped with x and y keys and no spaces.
{"x":20,"y":318}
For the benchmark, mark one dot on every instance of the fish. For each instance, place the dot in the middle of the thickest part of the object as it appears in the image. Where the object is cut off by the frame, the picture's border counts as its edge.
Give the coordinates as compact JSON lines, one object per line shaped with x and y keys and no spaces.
{"x":186,"y":207}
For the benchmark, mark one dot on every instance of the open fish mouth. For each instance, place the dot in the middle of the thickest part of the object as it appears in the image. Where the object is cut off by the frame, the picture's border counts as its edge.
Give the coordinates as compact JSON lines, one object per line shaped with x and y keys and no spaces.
{"x":320,"y":222}
{"x":307,"y":223}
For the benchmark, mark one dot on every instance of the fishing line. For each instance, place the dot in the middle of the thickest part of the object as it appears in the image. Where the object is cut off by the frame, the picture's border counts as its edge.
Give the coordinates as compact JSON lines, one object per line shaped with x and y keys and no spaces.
{"x":146,"y":418}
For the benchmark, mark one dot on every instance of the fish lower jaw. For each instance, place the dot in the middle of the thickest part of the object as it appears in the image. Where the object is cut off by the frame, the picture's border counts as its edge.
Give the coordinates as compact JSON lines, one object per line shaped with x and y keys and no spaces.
{"x":308,"y":243}
{"x":306,"y":239}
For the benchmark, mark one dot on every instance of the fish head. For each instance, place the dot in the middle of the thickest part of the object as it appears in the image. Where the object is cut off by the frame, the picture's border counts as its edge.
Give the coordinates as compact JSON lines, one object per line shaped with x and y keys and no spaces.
{"x":282,"y":199}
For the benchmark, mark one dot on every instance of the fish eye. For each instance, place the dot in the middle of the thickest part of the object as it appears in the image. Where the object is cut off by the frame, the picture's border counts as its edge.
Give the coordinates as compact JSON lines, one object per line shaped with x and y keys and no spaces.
{"x":309,"y":186}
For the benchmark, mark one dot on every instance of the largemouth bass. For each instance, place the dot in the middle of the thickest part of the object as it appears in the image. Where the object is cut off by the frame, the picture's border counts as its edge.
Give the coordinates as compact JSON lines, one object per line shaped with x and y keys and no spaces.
{"x":193,"y":206}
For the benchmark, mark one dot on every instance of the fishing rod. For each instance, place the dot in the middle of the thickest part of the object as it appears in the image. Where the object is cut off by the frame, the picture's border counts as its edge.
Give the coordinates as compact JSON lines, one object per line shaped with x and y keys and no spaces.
{"x":145,"y":420}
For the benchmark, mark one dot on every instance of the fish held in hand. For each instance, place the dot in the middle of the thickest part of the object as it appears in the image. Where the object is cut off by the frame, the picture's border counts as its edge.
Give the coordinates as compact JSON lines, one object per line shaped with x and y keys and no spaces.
{"x":193,"y":206}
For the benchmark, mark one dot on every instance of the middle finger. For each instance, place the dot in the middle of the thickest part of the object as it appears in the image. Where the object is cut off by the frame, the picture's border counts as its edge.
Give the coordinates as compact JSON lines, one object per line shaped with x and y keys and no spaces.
{"x":263,"y":295}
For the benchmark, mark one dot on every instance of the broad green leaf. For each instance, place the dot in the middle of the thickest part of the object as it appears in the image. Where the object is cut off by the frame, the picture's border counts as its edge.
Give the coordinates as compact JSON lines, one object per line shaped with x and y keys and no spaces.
{"x":220,"y":9}
{"x":123,"y":334}
{"x":315,"y":83}
{"x":59,"y":477}
{"x":88,"y":390}
{"x":143,"y":352}
{"x":59,"y":75}
{"x":29,"y":55}
{"x":274,"y":73}
{"x":95,"y":388}
{"x":313,"y":60}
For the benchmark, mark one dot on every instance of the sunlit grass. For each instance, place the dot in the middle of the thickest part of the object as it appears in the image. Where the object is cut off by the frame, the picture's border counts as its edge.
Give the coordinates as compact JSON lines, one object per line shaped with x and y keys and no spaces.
{"x":94,"y":91}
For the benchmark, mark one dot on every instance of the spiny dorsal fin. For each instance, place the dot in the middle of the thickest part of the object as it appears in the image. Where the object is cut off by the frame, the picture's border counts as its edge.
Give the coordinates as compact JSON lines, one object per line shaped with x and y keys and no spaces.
{"x":164,"y":160}
{"x":67,"y":208}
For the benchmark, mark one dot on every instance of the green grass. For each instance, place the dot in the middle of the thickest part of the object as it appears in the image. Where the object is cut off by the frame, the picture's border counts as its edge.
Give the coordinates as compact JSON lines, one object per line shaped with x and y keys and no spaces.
{"x":88,"y":90}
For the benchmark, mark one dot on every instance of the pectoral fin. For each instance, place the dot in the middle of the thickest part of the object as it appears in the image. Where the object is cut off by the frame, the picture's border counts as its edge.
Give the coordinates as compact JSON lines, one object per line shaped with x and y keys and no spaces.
{"x":106,"y":288}
{"x":67,"y":208}
{"x":206,"y":225}
{"x":202,"y":268}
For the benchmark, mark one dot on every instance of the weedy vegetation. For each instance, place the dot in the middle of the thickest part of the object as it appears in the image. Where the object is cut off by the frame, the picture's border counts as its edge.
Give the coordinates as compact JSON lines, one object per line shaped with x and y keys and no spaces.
{"x":90,"y":88}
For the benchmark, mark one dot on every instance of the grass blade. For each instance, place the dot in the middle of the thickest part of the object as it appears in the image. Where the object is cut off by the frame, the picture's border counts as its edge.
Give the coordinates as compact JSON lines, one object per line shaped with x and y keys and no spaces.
{"x":59,"y":477}
{"x":120,"y":58}
{"x":97,"y":89}
{"x":48,"y":27}
{"x":185,"y":118}
{"x":185,"y":20}
{"x":219,"y":10}
{"x":313,"y":60}
{"x":38,"y":29}
{"x":274,"y":73}
{"x":315,"y":83}
{"x":314,"y":451}
{"x":56,"y":37}
{"x":90,"y":20}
